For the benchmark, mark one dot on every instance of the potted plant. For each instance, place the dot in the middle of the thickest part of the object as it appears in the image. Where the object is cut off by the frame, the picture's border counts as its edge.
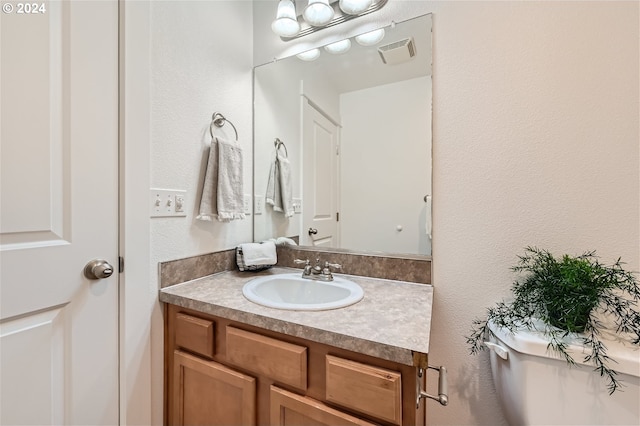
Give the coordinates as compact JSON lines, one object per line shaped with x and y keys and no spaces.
{"x":570,"y":295}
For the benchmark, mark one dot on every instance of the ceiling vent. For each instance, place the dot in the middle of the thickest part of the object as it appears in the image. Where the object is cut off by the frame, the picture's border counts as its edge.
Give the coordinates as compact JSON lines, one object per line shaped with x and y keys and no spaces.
{"x":397,"y":52}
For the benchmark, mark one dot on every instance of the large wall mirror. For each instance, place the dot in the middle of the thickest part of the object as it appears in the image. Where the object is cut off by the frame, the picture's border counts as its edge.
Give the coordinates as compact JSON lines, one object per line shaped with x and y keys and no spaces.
{"x":356,"y":145}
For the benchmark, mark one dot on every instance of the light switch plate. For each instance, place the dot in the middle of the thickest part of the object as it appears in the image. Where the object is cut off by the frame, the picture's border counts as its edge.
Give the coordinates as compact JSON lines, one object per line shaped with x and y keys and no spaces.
{"x":258,"y":204}
{"x":167,"y":202}
{"x":297,"y":205}
{"x":247,"y":204}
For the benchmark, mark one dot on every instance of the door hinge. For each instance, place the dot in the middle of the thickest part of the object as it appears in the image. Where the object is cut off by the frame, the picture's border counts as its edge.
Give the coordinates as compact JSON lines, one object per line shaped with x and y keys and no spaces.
{"x":337,"y":216}
{"x":120,"y":264}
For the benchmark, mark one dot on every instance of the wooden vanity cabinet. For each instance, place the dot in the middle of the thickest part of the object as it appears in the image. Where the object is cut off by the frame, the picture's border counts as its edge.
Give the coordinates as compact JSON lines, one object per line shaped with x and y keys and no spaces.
{"x":222,"y":372}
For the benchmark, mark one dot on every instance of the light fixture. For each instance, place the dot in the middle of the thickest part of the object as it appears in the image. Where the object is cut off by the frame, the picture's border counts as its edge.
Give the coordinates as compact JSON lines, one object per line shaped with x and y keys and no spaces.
{"x":309,"y":55}
{"x":286,"y":22}
{"x":318,"y":13}
{"x":355,"y":7}
{"x":338,"y":47}
{"x":370,"y":38}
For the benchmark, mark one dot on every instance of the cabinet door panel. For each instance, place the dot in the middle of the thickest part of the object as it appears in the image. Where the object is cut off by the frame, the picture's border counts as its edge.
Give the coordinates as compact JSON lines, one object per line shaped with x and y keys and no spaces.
{"x":364,"y":388}
{"x":195,"y":334}
{"x":208,"y":393}
{"x":281,"y":361}
{"x":290,"y":409}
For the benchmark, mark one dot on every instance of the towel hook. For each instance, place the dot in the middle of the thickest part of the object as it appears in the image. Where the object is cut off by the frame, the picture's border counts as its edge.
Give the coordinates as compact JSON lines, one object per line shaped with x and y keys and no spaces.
{"x":278,"y":143}
{"x":219,"y":120}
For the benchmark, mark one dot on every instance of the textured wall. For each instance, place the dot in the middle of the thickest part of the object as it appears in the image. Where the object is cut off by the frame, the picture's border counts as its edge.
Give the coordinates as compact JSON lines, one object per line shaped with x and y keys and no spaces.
{"x":201,"y":62}
{"x":536,"y":142}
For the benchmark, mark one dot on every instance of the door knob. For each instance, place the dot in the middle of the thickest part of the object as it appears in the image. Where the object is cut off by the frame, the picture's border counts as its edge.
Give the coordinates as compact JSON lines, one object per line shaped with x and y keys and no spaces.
{"x":98,"y":269}
{"x":313,"y":231}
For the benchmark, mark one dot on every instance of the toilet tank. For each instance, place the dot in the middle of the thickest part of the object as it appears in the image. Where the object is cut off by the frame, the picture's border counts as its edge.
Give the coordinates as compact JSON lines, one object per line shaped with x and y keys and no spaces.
{"x":536,"y":387}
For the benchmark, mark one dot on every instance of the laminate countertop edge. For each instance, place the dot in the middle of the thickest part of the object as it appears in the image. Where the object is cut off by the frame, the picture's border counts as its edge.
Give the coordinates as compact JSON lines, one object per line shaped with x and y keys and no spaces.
{"x":391,"y":322}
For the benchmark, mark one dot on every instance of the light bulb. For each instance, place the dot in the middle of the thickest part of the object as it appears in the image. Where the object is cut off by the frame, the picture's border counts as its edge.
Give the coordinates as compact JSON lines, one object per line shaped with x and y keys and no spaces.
{"x":370,"y":38}
{"x":286,"y":22}
{"x":355,"y":7}
{"x":318,"y":13}
{"x":309,"y":55}
{"x":338,"y":47}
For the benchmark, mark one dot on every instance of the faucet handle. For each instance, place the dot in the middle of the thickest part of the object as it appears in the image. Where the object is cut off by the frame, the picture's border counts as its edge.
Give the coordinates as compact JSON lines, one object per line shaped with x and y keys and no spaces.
{"x":333,"y":265}
{"x":326,"y":271}
{"x":307,"y":266}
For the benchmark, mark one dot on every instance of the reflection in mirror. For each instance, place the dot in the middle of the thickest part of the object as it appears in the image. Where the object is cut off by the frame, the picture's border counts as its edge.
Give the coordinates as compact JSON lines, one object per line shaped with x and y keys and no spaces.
{"x":354,"y":169}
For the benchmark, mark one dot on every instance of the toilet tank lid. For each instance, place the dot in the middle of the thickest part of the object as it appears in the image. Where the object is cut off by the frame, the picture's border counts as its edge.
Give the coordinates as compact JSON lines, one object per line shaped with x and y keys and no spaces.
{"x":535,"y":343}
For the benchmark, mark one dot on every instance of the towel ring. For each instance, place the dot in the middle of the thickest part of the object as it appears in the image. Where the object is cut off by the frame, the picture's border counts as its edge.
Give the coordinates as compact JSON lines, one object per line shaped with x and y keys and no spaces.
{"x":278,"y":143}
{"x":219,"y":120}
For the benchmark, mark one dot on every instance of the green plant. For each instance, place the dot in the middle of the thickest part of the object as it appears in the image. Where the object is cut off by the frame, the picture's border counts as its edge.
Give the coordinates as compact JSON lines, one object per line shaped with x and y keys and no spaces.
{"x":569,"y":295}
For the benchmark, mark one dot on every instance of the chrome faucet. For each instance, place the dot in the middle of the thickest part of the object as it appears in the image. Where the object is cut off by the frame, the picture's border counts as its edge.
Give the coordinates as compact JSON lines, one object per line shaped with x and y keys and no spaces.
{"x":318,"y":272}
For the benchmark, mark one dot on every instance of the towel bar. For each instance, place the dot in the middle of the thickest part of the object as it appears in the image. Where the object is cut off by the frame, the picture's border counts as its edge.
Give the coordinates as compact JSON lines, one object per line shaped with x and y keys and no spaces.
{"x":278,"y":143}
{"x":219,"y":120}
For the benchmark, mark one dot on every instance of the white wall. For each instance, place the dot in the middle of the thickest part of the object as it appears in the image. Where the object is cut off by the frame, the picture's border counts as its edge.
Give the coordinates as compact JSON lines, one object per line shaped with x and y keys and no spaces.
{"x":200,"y":62}
{"x":536,"y":142}
{"x":398,"y":148}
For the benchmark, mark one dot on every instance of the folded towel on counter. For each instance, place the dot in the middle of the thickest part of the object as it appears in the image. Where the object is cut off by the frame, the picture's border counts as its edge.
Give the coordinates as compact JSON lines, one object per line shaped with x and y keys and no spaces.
{"x":256,"y":256}
{"x":222,"y":192}
{"x":280,"y":187}
{"x":283,"y":241}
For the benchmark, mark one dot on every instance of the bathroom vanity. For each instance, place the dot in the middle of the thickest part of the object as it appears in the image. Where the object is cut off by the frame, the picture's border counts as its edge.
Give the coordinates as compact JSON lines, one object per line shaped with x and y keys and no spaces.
{"x":231,"y":361}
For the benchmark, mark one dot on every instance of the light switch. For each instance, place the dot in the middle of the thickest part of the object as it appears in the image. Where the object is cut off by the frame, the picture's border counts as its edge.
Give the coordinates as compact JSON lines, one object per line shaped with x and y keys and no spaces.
{"x":179,"y":203}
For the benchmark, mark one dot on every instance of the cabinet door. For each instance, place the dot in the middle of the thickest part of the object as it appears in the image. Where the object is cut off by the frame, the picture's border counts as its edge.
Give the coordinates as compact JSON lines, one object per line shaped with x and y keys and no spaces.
{"x":290,"y":409}
{"x":208,"y":393}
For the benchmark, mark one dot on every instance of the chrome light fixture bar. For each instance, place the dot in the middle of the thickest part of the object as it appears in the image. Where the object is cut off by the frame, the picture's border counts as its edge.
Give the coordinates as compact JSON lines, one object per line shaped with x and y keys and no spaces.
{"x":338,"y":18}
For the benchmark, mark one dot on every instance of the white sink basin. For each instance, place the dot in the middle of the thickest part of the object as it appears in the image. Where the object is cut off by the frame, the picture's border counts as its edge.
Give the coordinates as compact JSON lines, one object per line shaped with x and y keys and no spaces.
{"x":292,"y":292}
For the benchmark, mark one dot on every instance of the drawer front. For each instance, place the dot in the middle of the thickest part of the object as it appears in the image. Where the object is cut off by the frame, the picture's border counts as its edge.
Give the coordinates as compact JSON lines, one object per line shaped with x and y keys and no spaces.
{"x":364,"y":388}
{"x":281,"y":361}
{"x":195,"y":334}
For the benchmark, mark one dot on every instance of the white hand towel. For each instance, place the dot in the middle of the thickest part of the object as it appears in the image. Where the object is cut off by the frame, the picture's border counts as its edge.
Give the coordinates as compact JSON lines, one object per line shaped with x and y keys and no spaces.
{"x":256,"y":254}
{"x":283,"y":241}
{"x":427,"y":225}
{"x":223,"y":192}
{"x":279,"y":186}
{"x":286,"y":187}
{"x":273,"y":187}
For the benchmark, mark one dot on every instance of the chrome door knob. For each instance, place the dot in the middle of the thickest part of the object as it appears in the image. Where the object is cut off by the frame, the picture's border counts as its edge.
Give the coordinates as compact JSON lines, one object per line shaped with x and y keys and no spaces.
{"x":313,"y":231}
{"x":98,"y":269}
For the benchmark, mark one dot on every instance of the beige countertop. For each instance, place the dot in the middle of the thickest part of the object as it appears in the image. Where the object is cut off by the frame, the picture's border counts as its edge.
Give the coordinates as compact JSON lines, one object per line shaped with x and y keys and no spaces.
{"x":392,"y":321}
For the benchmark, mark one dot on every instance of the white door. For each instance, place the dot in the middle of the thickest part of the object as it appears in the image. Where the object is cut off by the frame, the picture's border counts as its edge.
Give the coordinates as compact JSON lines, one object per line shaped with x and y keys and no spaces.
{"x":319,"y":178}
{"x":58,"y":211}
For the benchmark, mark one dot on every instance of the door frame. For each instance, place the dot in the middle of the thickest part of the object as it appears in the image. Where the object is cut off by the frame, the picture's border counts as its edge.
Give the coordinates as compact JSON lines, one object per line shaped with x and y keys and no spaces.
{"x":140,"y":315}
